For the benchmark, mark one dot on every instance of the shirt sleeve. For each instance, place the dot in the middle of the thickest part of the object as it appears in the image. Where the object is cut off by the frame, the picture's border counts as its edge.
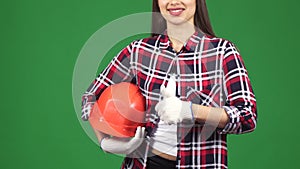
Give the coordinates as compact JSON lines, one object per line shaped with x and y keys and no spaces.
{"x":240,"y":100}
{"x":118,"y":70}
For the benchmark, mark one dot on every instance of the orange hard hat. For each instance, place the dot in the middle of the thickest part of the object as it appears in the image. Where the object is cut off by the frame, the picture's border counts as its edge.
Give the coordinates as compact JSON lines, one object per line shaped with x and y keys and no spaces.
{"x":119,"y":110}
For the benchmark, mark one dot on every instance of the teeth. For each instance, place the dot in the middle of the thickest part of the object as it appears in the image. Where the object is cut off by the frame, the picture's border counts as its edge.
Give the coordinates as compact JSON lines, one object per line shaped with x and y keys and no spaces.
{"x":177,"y":10}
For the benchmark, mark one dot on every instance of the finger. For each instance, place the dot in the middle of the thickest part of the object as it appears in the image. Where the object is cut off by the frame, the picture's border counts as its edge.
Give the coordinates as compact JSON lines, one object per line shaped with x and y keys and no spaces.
{"x":160,"y":108}
{"x":135,"y":142}
{"x":174,"y":120}
{"x":164,"y":117}
{"x":167,"y":122}
{"x":170,"y":122}
{"x":138,"y":132}
{"x":161,"y":113}
{"x":143,"y":133}
{"x":170,"y":119}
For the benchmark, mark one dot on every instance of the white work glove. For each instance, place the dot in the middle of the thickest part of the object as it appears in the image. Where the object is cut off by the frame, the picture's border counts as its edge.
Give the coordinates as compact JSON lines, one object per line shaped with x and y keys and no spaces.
{"x":171,"y":109}
{"x":125,"y":146}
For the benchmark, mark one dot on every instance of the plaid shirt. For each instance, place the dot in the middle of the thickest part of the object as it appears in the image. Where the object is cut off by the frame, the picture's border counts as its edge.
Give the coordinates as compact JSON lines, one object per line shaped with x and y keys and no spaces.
{"x":209,"y":71}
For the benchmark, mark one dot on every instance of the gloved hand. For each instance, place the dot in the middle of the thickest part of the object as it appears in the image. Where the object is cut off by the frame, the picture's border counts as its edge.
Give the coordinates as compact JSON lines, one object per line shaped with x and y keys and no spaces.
{"x":123,"y":145}
{"x":171,"y":109}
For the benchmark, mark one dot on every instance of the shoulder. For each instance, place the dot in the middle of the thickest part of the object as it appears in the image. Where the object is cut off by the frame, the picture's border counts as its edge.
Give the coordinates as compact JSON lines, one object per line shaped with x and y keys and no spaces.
{"x":139,"y":46}
{"x":225,"y":46}
{"x":219,"y":41}
{"x":144,"y":42}
{"x":140,"y":43}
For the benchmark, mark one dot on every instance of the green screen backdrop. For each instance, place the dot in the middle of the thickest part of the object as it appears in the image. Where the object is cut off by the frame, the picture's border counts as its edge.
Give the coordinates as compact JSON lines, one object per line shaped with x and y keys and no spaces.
{"x":40,"y":44}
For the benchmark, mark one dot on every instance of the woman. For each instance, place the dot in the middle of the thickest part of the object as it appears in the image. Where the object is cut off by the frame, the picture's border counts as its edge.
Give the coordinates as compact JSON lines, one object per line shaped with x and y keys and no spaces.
{"x":196,"y":87}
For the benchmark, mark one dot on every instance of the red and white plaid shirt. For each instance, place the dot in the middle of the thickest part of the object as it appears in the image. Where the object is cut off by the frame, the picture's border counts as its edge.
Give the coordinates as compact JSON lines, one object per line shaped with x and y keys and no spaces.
{"x":209,"y":71}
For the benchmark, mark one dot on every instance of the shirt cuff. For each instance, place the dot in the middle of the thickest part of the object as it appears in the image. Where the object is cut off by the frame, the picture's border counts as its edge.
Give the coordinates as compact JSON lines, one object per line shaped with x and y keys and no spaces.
{"x":234,"y":121}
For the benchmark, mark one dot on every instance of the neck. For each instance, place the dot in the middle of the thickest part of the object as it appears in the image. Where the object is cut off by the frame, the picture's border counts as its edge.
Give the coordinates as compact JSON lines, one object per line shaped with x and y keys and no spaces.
{"x":179,"y":34}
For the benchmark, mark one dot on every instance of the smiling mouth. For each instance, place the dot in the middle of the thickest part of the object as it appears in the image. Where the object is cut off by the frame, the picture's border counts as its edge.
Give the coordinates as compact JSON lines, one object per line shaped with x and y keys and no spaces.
{"x":175,"y":11}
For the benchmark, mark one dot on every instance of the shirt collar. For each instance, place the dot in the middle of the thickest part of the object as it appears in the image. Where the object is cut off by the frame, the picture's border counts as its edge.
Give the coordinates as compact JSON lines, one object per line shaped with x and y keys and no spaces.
{"x":190,"y":45}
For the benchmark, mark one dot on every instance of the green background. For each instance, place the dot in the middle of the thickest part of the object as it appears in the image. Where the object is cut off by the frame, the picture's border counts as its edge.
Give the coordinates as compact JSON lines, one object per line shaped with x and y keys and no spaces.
{"x":41,"y":40}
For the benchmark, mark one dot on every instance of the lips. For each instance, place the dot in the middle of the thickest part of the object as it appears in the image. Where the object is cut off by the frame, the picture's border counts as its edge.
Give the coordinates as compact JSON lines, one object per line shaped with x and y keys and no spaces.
{"x":175,"y":11}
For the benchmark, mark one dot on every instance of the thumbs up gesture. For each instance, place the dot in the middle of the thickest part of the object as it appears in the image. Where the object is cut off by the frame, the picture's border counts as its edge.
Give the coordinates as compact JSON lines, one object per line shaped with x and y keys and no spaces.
{"x":171,"y":109}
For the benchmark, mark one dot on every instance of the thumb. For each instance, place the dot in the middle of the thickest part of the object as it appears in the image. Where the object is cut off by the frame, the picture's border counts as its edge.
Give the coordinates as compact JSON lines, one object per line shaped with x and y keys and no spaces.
{"x":165,"y":92}
{"x":170,"y":90}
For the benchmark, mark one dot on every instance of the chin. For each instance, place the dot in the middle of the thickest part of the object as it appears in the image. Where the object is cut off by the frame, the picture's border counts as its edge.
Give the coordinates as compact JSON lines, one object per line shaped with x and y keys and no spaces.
{"x":178,"y":22}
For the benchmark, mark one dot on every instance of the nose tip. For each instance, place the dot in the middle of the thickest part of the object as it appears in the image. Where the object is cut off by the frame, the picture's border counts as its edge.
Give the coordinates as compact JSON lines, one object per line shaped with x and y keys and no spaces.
{"x":174,"y":2}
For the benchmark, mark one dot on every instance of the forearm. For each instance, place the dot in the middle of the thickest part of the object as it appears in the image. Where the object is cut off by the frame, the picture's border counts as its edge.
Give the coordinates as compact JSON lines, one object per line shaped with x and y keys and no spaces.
{"x":99,"y":135}
{"x":119,"y":145}
{"x":211,"y":115}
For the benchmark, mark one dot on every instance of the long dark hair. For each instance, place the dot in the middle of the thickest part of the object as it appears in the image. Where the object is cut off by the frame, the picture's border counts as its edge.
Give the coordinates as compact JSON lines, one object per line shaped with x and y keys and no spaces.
{"x":201,"y":19}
